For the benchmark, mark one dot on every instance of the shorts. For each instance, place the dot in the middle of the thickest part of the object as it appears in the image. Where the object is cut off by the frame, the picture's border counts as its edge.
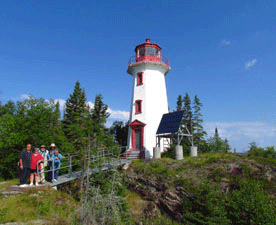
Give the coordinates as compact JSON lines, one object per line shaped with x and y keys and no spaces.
{"x":33,"y":170}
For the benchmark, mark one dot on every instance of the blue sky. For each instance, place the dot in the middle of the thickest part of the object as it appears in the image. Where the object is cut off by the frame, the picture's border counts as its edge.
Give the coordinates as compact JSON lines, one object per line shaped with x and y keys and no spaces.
{"x":223,"y":51}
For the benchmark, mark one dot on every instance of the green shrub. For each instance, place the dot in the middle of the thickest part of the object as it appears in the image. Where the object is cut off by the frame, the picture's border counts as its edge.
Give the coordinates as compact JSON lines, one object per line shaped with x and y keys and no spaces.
{"x":267,"y":152}
{"x":205,"y":207}
{"x":250,"y":205}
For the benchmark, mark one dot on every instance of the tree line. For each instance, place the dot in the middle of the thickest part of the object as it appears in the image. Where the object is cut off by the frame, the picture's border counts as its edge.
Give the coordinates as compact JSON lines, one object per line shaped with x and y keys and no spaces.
{"x":38,"y":121}
{"x":193,"y":123}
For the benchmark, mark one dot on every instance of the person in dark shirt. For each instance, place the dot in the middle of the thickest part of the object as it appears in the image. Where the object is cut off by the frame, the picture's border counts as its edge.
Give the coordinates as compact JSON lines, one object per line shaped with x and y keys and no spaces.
{"x":25,"y":160}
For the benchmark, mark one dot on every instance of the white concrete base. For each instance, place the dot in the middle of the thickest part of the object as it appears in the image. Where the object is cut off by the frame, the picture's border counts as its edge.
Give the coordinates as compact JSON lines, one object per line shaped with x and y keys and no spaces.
{"x":156,"y":153}
{"x":193,"y":151}
{"x":178,"y":152}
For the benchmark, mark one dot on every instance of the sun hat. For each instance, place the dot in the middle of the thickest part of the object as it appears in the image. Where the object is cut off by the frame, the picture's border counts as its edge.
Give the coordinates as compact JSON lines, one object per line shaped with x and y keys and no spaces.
{"x":42,"y":146}
{"x":53,"y":145}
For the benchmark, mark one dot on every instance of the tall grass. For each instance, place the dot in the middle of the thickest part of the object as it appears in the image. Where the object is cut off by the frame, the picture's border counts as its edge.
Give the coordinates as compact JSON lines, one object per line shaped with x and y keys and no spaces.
{"x":43,"y":203}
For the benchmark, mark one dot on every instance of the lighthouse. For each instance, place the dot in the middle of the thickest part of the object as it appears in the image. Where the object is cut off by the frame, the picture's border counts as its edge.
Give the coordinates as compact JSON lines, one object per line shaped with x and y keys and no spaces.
{"x":149,"y":98}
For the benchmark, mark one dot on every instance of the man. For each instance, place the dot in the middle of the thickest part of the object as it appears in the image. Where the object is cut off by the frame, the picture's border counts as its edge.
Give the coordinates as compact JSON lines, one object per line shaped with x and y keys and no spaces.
{"x":44,"y":152}
{"x":25,"y":160}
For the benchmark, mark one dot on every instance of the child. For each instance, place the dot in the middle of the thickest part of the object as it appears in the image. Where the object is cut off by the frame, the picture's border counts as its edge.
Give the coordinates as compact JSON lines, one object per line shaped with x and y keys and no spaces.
{"x":36,"y":159}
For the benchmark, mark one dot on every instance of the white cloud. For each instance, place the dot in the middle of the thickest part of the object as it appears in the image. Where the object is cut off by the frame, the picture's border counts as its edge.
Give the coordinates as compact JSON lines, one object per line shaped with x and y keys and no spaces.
{"x":24,"y":96}
{"x":240,"y":133}
{"x":239,"y":129}
{"x":90,"y":104}
{"x":118,"y":114}
{"x":226,"y":42}
{"x":62,"y":103}
{"x":250,"y":64}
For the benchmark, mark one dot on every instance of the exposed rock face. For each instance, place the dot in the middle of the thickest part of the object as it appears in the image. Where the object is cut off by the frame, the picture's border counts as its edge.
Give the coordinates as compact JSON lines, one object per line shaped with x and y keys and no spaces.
{"x":166,"y":197}
{"x":159,"y":197}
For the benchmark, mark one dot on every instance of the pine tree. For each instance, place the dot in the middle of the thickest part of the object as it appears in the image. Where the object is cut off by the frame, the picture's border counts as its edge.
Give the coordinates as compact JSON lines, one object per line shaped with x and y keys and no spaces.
{"x":179,"y":103}
{"x":198,"y":132}
{"x":76,"y":117}
{"x":99,"y":112}
{"x":188,"y":113}
{"x":216,"y":144}
{"x":216,"y":132}
{"x":98,"y":118}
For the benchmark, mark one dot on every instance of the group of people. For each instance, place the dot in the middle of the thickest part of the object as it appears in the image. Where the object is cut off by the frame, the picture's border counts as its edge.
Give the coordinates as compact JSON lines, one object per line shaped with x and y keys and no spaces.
{"x":32,"y":164}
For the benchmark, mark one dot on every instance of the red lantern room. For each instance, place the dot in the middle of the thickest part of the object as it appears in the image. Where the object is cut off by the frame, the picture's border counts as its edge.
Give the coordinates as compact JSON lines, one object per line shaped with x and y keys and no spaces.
{"x":149,"y":52}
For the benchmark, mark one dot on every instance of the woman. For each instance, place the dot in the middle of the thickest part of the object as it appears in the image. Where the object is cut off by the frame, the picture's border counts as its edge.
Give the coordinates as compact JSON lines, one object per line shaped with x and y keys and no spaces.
{"x":36,"y":160}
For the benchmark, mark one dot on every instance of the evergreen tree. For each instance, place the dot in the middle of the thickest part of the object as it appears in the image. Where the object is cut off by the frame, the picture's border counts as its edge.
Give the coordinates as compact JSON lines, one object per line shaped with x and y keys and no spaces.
{"x":179,"y":103}
{"x":198,"y":132}
{"x":216,"y":132}
{"x":99,"y":116}
{"x":188,"y":113}
{"x":120,"y":130}
{"x":216,"y":144}
{"x":99,"y":112}
{"x":76,"y":116}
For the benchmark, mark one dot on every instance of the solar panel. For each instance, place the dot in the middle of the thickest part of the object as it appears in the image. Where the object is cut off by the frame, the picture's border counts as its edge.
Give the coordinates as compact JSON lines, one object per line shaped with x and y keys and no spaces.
{"x":170,"y":122}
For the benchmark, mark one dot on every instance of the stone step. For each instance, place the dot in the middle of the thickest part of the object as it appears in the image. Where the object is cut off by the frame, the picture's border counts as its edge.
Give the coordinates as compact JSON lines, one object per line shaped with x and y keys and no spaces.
{"x":132,"y":154}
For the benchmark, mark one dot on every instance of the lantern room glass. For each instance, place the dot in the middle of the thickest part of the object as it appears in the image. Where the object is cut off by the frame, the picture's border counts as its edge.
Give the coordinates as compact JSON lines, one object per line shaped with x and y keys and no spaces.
{"x":148,"y":51}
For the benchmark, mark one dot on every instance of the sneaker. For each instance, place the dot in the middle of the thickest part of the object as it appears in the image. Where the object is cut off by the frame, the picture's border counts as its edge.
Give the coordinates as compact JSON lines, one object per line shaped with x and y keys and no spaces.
{"x":23,"y":185}
{"x":31,"y":184}
{"x":36,"y":184}
{"x":54,"y":180}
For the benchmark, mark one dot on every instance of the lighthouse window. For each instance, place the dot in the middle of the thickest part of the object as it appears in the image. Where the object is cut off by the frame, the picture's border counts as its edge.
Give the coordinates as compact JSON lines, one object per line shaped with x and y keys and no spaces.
{"x":157,"y":53}
{"x":138,"y":104}
{"x":140,"y":78}
{"x":141,"y":52}
{"x":151,"y":51}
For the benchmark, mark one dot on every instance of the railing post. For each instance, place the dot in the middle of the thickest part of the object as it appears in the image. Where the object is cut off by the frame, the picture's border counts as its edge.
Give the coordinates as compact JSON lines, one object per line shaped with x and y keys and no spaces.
{"x":37,"y":171}
{"x":53,"y":169}
{"x":70,"y":165}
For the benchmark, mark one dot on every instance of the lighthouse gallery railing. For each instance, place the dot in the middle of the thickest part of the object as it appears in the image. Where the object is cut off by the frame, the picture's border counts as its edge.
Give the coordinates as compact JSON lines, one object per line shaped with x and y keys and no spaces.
{"x":163,"y":59}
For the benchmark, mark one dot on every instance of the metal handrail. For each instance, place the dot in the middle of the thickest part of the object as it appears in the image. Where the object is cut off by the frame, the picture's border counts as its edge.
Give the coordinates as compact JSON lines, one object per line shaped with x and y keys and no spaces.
{"x":69,"y":159}
{"x":102,"y":153}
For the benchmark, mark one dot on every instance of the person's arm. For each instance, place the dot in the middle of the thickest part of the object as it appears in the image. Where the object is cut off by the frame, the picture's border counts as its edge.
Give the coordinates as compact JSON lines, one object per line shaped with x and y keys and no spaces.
{"x":60,"y":156}
{"x":20,"y":164}
{"x":41,"y":159}
{"x":49,"y":157}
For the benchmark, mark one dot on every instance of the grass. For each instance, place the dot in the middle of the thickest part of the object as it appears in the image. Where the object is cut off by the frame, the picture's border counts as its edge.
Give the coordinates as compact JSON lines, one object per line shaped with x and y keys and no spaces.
{"x":43,"y":203}
{"x":8,"y":183}
{"x":264,"y":160}
{"x":135,"y":202}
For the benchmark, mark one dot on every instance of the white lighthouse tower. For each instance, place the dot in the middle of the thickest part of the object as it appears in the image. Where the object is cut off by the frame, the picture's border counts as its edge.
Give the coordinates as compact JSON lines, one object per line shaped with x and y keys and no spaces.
{"x":149,"y":97}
